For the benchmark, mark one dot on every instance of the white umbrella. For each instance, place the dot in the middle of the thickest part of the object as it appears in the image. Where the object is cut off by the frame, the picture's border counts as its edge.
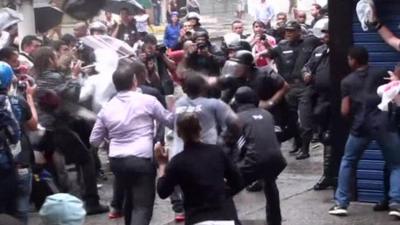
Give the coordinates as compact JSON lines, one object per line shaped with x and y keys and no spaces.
{"x":9,"y":17}
{"x":108,"y":43}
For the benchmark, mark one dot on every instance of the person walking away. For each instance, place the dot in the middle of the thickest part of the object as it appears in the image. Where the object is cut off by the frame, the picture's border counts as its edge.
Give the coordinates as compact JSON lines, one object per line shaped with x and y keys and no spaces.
{"x":359,"y":101}
{"x":127,"y":120}
{"x":204,"y":173}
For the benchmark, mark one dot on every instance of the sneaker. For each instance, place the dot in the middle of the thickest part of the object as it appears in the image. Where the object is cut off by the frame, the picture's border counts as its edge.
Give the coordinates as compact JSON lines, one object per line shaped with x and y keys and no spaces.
{"x":338,"y":211}
{"x":395,"y":212}
{"x":256,"y":186}
{"x":302,"y":155}
{"x":179,"y":217}
{"x":96,"y":209}
{"x":114,"y":213}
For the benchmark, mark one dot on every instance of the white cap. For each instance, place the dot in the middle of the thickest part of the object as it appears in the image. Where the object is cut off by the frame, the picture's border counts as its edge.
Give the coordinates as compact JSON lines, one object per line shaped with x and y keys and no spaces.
{"x":97,"y":25}
{"x":193,"y":15}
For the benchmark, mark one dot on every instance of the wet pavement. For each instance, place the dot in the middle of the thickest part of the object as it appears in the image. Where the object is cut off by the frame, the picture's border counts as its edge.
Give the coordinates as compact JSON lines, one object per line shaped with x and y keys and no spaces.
{"x":300,"y":204}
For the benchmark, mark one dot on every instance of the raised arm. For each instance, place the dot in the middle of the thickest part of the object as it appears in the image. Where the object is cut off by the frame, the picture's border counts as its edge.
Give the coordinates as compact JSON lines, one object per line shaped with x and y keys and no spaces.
{"x":389,"y":37}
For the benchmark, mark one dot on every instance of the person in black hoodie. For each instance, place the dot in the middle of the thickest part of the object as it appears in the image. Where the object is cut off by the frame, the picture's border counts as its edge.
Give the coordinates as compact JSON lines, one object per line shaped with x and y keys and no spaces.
{"x":207,"y":177}
{"x":259,"y":155}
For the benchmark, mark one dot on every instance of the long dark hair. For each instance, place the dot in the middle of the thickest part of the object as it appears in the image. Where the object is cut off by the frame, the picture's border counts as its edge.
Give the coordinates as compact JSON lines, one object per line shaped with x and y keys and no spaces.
{"x":41,"y":59}
{"x":188,"y":127}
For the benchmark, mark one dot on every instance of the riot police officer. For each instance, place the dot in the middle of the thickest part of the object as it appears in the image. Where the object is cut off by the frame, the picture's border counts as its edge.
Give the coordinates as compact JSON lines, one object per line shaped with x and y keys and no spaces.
{"x":290,"y":56}
{"x":316,"y":74}
{"x":269,"y":86}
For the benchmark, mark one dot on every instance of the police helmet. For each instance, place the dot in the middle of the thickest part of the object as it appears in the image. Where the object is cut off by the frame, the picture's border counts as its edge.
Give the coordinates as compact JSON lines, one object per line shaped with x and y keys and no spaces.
{"x":6,"y":75}
{"x":243,"y":57}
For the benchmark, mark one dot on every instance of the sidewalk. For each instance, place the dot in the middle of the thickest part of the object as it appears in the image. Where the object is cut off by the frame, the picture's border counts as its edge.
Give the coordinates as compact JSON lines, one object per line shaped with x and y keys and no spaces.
{"x":300,"y":204}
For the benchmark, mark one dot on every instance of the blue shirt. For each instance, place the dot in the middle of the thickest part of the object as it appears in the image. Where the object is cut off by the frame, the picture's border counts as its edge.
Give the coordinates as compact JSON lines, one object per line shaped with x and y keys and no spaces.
{"x":171,"y":35}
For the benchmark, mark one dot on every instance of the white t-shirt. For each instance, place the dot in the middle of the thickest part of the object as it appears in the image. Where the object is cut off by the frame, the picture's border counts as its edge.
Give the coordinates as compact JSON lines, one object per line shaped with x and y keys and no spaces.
{"x":141,"y":22}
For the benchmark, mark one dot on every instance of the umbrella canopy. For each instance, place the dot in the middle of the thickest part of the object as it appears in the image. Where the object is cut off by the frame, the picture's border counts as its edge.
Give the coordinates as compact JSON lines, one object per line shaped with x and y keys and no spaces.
{"x":9,"y":17}
{"x":109,"y":43}
{"x":47,"y":17}
{"x":115,"y":6}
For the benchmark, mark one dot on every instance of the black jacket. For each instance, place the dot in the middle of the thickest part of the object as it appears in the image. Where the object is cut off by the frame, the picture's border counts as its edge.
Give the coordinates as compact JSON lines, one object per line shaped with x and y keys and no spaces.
{"x":291,"y":57}
{"x":260,"y":154}
{"x":207,"y":178}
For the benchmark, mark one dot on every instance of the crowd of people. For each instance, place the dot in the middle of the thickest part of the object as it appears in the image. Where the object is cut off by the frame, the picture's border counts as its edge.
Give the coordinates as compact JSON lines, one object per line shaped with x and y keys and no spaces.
{"x":224,"y":109}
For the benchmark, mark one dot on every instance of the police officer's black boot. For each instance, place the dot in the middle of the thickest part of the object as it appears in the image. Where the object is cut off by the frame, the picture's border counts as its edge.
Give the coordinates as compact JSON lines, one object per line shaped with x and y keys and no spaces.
{"x":327,"y":179}
{"x":305,"y":149}
{"x":296,"y":145}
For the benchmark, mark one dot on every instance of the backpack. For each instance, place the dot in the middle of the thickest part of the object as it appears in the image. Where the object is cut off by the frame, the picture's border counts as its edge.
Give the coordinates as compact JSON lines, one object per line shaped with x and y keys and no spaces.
{"x":9,"y":135}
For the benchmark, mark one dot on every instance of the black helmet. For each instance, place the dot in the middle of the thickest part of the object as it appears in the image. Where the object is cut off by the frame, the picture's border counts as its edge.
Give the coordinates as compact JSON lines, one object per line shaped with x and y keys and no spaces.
{"x":238,"y":45}
{"x":199,"y":34}
{"x":243,"y":57}
{"x":292,"y":25}
{"x":246,"y":95}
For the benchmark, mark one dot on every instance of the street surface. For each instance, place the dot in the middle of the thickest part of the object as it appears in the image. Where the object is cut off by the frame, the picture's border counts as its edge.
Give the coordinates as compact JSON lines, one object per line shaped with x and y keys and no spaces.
{"x":300,"y":204}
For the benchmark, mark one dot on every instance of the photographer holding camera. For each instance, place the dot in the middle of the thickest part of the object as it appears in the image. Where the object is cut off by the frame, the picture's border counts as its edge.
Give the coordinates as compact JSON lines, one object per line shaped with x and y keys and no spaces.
{"x":158,"y":64}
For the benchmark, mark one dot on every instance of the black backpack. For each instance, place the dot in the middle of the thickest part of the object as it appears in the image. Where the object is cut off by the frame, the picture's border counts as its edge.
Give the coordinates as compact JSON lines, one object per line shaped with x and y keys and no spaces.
{"x":9,"y":134}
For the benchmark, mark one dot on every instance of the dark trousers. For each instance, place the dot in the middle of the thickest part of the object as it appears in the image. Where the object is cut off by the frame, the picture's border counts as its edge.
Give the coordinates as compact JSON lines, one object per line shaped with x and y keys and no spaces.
{"x":273,"y":208}
{"x":177,"y":200}
{"x":300,"y":106}
{"x":117,"y":201}
{"x":271,"y":192}
{"x":88,"y":173}
{"x":137,"y":176}
{"x":8,"y":193}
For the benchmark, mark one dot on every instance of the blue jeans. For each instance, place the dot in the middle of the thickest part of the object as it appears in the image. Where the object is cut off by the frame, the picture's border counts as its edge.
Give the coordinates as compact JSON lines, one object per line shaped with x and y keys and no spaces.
{"x":24,"y":182}
{"x":355,"y":146}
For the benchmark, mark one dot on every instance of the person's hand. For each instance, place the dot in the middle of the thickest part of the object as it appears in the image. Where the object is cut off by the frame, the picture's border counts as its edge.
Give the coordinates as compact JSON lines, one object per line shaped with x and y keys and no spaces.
{"x":266,"y":104}
{"x":30,"y":89}
{"x":161,"y":154}
{"x":392,"y":76}
{"x":307,"y":78}
{"x":76,"y":68}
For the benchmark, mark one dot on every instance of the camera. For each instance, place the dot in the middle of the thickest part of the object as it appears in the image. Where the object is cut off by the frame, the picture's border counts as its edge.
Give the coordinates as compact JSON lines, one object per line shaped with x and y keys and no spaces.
{"x":263,"y":37}
{"x":161,"y":48}
{"x":21,"y":86}
{"x":22,"y":83}
{"x":201,"y":45}
{"x":188,"y":33}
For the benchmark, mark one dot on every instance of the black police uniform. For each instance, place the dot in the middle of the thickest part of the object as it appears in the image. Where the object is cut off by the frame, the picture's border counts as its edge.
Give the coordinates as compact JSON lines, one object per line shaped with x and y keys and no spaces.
{"x":319,"y":68}
{"x":265,"y":82}
{"x":290,"y":58}
{"x":260,"y":154}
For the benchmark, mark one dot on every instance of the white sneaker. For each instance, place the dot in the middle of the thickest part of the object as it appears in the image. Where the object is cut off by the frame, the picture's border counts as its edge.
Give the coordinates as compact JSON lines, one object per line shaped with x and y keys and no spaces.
{"x":338,"y":211}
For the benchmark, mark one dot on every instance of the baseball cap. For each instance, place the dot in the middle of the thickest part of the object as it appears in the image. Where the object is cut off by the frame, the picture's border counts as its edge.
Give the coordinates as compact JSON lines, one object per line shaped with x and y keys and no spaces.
{"x":292,"y":25}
